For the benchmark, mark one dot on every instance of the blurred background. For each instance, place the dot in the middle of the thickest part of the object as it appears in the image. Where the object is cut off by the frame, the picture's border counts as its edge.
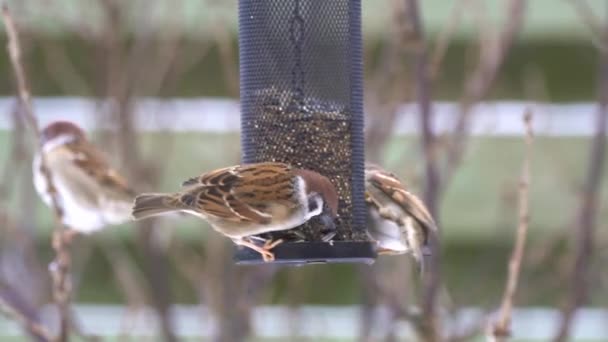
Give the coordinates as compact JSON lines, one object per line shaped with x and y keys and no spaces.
{"x":156,"y":83}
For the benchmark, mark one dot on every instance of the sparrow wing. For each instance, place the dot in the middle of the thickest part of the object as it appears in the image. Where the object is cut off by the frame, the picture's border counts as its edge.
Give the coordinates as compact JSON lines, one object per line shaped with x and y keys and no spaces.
{"x":93,"y":164}
{"x":240,"y":193}
{"x":390,"y":185}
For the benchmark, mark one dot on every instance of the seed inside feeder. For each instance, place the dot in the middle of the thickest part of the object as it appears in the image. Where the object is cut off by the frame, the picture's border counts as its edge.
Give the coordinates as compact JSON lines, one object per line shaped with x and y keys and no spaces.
{"x":312,"y":134}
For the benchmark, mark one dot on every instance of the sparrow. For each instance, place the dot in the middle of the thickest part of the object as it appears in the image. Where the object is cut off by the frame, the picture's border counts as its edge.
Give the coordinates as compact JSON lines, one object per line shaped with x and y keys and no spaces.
{"x":398,"y":221}
{"x":245,"y":200}
{"x":90,"y":192}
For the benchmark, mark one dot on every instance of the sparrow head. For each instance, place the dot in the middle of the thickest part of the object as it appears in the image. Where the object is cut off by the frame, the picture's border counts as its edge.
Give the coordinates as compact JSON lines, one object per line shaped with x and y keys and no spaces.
{"x":61,"y":132}
{"x":320,"y":191}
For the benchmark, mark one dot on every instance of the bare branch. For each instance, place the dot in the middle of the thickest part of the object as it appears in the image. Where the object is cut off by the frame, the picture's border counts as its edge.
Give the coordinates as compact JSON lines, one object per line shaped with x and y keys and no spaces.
{"x":227,"y":56}
{"x":443,"y":39}
{"x":24,"y":318}
{"x":501,"y":329}
{"x":386,"y":87}
{"x":430,"y":325}
{"x":477,"y":86}
{"x":587,"y":215}
{"x":589,"y":19}
{"x":61,"y":270}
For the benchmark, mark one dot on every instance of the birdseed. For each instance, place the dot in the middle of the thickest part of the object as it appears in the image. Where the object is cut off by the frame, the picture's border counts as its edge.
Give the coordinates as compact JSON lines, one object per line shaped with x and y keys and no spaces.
{"x":310,"y":134}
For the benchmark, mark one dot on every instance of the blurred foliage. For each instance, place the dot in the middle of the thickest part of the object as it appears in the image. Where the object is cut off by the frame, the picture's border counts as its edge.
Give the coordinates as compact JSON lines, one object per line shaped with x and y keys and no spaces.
{"x":546,"y":19}
{"x":538,"y":64}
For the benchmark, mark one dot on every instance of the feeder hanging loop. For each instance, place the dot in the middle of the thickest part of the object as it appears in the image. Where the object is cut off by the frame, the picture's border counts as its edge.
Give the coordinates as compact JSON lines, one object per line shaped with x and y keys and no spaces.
{"x":296,"y":37}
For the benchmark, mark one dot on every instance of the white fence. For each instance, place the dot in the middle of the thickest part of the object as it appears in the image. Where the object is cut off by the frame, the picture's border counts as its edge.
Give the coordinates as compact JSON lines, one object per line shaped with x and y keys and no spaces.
{"x":340,"y":322}
{"x":222,"y":115}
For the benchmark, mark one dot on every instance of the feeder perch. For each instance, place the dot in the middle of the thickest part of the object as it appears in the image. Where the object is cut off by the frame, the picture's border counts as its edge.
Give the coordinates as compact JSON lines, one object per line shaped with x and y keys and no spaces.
{"x":302,"y":103}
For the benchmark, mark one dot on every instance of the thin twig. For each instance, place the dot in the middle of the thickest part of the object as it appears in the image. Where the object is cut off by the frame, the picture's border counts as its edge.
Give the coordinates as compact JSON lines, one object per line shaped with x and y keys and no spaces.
{"x":501,"y":329}
{"x":386,"y":88}
{"x":33,"y":327}
{"x":592,"y":21}
{"x":443,"y":38}
{"x":61,"y":270}
{"x":432,"y":279}
{"x":227,"y":56}
{"x":123,"y":62}
{"x":477,"y":86}
{"x":587,"y":215}
{"x":18,"y":154}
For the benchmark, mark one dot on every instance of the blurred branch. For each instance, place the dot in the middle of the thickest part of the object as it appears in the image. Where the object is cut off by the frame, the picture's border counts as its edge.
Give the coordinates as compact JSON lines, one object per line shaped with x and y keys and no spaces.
{"x":223,"y":292}
{"x":481,"y":80}
{"x":62,"y":69}
{"x":18,"y":254}
{"x":592,"y":21}
{"x":386,"y":88}
{"x":22,"y":285}
{"x":60,"y":269}
{"x":128,"y":276}
{"x":128,"y":65}
{"x":443,"y":38}
{"x":227,"y":56}
{"x":587,"y":215}
{"x":369,"y":301}
{"x":501,"y":329}
{"x":17,"y":155}
{"x":17,"y":309}
{"x":155,"y":264}
{"x":431,"y":329}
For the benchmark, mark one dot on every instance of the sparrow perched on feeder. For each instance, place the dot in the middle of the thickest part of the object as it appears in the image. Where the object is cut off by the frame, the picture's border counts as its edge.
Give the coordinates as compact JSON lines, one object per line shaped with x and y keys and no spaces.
{"x":91,"y":193}
{"x":244,"y":200}
{"x":397,"y":219}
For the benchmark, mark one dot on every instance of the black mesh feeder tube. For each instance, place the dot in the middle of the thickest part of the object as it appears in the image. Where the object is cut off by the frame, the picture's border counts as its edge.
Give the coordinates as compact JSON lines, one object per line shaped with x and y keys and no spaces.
{"x":302,"y":104}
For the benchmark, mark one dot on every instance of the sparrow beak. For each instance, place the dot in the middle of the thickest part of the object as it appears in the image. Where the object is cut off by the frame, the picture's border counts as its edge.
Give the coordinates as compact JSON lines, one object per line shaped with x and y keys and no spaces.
{"x":327,"y":220}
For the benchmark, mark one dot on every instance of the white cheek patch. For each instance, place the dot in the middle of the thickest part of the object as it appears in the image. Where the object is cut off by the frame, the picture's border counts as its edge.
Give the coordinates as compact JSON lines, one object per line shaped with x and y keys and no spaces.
{"x":57,"y":141}
{"x":304,"y":198}
{"x":318,"y":209}
{"x":301,"y":191}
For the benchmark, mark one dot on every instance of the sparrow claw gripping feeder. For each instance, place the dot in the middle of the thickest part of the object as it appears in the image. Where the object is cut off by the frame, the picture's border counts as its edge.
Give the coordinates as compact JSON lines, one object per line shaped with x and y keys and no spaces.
{"x":302,"y":104}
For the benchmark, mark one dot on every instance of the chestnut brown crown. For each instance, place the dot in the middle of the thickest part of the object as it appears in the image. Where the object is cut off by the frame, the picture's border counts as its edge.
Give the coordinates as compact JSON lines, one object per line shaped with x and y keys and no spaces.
{"x":321,"y":185}
{"x":61,"y":128}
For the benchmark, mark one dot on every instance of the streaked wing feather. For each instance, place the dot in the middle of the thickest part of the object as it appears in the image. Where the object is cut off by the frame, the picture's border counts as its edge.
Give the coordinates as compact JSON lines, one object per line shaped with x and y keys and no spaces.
{"x":95,"y":165}
{"x":392,"y":187}
{"x":226,"y":193}
{"x":211,"y":178}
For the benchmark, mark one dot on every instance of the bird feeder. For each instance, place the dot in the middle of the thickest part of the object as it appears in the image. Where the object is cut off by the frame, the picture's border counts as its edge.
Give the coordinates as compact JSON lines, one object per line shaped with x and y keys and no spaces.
{"x":302,"y":103}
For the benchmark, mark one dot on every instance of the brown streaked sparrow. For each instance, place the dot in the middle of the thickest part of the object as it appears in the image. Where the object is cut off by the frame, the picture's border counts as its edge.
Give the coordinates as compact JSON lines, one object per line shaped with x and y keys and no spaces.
{"x":91,"y":193}
{"x":397,"y":220}
{"x":251,"y":199}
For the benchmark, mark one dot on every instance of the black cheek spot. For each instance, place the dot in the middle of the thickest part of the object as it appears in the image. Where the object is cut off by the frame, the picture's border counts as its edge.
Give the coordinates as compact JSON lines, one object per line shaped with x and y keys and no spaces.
{"x":312,"y":204}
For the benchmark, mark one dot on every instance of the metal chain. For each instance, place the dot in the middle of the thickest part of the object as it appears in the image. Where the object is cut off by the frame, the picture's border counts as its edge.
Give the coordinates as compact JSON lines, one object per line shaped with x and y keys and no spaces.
{"x":296,"y":37}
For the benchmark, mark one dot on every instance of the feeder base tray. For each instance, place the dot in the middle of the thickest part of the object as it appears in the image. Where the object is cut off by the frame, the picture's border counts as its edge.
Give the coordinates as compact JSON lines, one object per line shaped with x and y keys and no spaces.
{"x":303,"y":253}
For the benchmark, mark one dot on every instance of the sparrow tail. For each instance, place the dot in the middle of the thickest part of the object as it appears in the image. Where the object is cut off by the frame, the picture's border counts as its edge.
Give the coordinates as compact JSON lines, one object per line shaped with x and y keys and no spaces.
{"x":147,"y":205}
